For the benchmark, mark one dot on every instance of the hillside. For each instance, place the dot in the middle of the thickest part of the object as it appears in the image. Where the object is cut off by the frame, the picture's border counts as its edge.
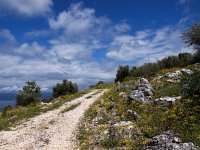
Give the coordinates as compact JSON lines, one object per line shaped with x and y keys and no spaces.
{"x":141,"y":113}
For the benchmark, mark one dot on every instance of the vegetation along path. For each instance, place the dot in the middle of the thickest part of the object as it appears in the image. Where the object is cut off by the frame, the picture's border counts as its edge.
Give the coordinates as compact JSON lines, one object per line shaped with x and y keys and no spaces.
{"x":53,"y":130}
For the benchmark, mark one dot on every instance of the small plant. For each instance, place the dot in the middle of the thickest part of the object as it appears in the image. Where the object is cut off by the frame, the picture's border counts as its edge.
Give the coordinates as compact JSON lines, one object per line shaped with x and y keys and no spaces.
{"x":5,"y":109}
{"x":70,"y":108}
{"x":88,"y":97}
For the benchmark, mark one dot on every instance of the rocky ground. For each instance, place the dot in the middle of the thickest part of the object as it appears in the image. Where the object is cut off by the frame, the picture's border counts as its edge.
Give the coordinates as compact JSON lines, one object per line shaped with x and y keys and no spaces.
{"x":53,"y":130}
{"x":134,"y":115}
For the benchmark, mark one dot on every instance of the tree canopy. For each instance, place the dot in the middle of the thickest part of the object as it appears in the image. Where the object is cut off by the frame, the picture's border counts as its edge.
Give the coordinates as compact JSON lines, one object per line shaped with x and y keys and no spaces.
{"x":66,"y":87}
{"x":29,"y":94}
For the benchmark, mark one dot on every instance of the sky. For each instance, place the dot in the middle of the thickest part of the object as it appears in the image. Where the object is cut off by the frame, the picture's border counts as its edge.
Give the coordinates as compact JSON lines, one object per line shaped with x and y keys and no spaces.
{"x":85,"y":41}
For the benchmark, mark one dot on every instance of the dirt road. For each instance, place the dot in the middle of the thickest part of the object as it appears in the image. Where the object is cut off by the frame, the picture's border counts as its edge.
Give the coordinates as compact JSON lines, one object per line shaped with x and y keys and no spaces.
{"x":52,"y":130}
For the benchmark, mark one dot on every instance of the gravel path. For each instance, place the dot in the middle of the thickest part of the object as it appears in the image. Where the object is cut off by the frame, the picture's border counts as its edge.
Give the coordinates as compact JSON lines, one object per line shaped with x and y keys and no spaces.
{"x":52,"y":130}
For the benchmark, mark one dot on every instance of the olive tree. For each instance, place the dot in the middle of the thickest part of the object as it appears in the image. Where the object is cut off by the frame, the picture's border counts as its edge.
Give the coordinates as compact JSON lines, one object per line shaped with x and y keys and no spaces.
{"x":29,"y":94}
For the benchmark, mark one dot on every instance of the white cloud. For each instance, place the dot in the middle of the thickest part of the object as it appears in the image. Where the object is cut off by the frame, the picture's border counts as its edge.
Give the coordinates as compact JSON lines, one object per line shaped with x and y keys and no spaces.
{"x":80,"y":23}
{"x":9,"y":89}
{"x":147,"y":45}
{"x":6,"y":35}
{"x":38,"y":33}
{"x":76,"y":19}
{"x":27,"y":7}
{"x":7,"y":61}
{"x":122,"y":27}
{"x":30,"y":50}
{"x":70,"y":50}
{"x":77,"y":35}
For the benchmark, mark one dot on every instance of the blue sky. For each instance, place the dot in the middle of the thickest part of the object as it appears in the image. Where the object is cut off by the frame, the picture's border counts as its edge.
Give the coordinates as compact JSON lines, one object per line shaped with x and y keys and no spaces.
{"x":86,"y":40}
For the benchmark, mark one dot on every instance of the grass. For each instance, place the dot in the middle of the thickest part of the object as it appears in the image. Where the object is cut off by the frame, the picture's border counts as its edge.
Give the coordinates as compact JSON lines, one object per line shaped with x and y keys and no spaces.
{"x":20,"y":114}
{"x":168,"y":90}
{"x":70,"y":108}
{"x":88,"y":97}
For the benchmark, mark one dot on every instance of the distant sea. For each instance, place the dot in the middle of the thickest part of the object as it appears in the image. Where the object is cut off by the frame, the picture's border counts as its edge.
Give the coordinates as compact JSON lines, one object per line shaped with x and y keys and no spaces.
{"x":9,"y":99}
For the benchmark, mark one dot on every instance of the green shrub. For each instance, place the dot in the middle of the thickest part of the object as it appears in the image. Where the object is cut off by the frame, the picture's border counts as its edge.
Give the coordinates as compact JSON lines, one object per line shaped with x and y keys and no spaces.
{"x":169,"y":62}
{"x":30,"y":94}
{"x":190,"y":86}
{"x":122,"y":73}
{"x":185,"y":59}
{"x":100,"y":82}
{"x":146,"y":70}
{"x":5,"y":109}
{"x":66,"y":87}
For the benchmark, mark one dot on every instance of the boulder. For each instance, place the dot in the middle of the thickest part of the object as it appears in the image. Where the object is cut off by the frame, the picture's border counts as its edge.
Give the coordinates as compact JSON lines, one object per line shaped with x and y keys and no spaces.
{"x":187,"y":71}
{"x":171,"y":74}
{"x":123,"y":95}
{"x":169,"y":100}
{"x":137,"y":95}
{"x":119,"y":87}
{"x":178,"y":73}
{"x":143,"y":81}
{"x":158,"y":78}
{"x":143,"y":93}
{"x":170,"y":141}
{"x":148,"y":92}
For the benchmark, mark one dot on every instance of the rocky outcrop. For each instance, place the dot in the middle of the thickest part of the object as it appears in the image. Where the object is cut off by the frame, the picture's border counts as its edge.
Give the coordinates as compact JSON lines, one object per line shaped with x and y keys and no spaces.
{"x":119,"y":87}
{"x":168,"y":100}
{"x":178,"y":73}
{"x":125,"y":130}
{"x":168,"y":141}
{"x":143,"y":93}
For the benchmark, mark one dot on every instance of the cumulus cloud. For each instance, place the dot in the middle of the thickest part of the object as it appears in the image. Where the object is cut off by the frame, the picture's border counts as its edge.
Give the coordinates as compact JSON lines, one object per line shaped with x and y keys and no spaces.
{"x":30,"y":50}
{"x":27,"y":7}
{"x":75,"y":50}
{"x":82,"y":25}
{"x":146,"y":45}
{"x":122,"y":27}
{"x":77,"y":19}
{"x":7,"y":36}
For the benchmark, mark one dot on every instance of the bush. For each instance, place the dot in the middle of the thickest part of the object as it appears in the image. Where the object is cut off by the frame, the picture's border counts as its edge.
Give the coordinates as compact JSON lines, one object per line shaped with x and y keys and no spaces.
{"x":185,"y":59}
{"x":30,"y":94}
{"x":122,"y":73}
{"x":190,"y":86}
{"x":100,"y":82}
{"x":5,"y":109}
{"x":67,"y":87}
{"x":169,"y":62}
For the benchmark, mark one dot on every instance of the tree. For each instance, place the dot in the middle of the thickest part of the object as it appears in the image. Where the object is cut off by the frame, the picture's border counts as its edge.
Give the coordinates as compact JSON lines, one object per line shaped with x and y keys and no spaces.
{"x":192,"y":38}
{"x":169,"y":62}
{"x":185,"y":59}
{"x":66,"y":87}
{"x":30,"y":94}
{"x":122,"y":73}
